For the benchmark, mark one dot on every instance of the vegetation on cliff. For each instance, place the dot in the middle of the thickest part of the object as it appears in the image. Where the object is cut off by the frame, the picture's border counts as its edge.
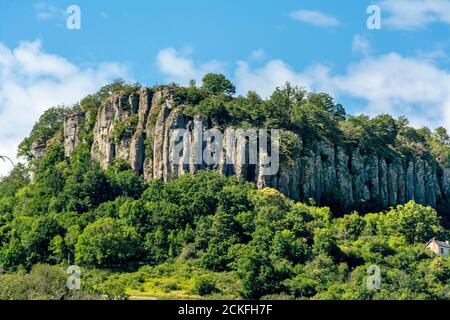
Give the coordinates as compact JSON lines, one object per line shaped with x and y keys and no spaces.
{"x":208,"y":235}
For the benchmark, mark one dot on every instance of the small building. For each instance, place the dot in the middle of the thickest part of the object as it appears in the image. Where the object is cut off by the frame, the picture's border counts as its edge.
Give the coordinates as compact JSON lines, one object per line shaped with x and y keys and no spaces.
{"x":439,"y":247}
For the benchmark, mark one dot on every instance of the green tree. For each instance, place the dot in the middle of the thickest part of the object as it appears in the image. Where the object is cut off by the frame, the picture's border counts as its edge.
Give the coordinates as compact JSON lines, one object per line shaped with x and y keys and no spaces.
{"x":16,"y":180}
{"x":106,"y":243}
{"x":325,"y":243}
{"x":415,"y":222}
{"x":257,"y":273}
{"x":225,"y":234}
{"x":285,"y":245}
{"x":217,"y":84}
{"x":49,"y":123}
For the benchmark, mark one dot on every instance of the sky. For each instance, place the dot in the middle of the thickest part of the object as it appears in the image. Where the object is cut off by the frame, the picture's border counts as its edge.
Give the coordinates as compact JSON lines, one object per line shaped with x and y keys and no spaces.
{"x":401,"y":68}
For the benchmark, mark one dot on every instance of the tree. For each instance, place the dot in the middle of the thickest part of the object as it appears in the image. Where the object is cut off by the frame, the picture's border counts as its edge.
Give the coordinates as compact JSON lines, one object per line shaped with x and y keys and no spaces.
{"x":325,"y":243}
{"x":12,"y":254}
{"x":210,"y":107}
{"x":107,"y":243}
{"x":117,"y":86}
{"x":217,"y":84}
{"x":350,"y":227}
{"x":257,"y":273}
{"x":156,"y":247}
{"x":125,"y":182}
{"x":442,"y":136}
{"x":225,"y":234}
{"x":87,"y":188}
{"x":16,"y":180}
{"x":279,"y":107}
{"x":247,"y":109}
{"x":440,"y":145}
{"x":286,"y":246}
{"x":415,"y":222}
{"x":326,"y":102}
{"x":205,"y":285}
{"x":301,"y":286}
{"x":49,"y":123}
{"x":377,"y":134}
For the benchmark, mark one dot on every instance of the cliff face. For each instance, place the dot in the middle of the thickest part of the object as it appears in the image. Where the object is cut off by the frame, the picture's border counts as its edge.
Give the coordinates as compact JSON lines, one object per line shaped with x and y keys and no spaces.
{"x":322,"y":171}
{"x":72,"y":125}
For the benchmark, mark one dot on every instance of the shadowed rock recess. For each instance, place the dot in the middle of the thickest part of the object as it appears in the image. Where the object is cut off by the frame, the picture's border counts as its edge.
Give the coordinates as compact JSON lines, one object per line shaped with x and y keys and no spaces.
{"x":136,"y":128}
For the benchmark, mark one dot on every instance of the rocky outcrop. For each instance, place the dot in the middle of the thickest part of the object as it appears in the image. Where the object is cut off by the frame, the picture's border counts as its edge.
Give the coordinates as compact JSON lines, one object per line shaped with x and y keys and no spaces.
{"x":39,"y":148}
{"x":327,"y":173}
{"x":72,"y":125}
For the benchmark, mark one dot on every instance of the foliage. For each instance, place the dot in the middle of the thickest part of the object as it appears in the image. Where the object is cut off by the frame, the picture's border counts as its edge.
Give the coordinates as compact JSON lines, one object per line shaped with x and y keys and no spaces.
{"x":210,"y":236}
{"x":118,"y":86}
{"x":204,"y":286}
{"x":125,"y":129}
{"x":107,"y":242}
{"x":217,"y":84}
{"x":44,"y":282}
{"x":48,"y":125}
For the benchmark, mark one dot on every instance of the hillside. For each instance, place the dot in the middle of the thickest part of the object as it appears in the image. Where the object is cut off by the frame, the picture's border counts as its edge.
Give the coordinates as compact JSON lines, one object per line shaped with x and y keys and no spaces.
{"x":100,"y":190}
{"x":337,"y":160}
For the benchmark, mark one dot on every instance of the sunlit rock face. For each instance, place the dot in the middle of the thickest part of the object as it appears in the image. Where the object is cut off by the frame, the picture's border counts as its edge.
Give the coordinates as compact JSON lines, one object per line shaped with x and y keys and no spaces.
{"x":329,"y":174}
{"x":72,"y":127}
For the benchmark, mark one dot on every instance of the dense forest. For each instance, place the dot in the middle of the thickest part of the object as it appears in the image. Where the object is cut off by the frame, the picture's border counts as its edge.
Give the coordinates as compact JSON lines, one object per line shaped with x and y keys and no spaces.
{"x":210,"y":236}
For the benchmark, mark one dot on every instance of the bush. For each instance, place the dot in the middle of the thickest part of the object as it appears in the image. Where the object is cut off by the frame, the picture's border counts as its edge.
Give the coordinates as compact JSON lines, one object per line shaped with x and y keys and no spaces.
{"x":204,"y":285}
{"x":107,"y":242}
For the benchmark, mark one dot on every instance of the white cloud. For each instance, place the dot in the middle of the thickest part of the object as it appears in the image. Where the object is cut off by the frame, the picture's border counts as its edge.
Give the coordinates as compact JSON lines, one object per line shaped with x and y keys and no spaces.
{"x":179,"y":67}
{"x":399,"y":85}
{"x":258,"y":55}
{"x":414,"y":14}
{"x":316,"y":18}
{"x":32,"y":80}
{"x":388,"y":83}
{"x":46,"y":12}
{"x":265,"y":79}
{"x":361,"y":45}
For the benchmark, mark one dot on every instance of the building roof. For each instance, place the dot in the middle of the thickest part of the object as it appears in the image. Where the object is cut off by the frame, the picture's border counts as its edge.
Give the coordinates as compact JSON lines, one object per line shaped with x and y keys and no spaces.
{"x":439,"y":243}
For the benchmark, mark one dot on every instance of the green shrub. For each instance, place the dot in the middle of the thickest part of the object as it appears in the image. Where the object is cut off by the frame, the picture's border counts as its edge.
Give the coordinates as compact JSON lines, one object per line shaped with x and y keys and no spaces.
{"x":204,"y":285}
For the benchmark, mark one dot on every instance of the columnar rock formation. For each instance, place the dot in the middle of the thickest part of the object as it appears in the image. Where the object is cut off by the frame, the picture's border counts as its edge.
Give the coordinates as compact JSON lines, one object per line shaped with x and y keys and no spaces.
{"x":72,"y":126}
{"x":322,"y":171}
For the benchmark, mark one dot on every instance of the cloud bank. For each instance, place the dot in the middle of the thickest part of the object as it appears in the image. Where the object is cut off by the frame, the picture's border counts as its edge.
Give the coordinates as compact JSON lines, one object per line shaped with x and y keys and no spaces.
{"x":181,"y":68}
{"x":32,"y":80}
{"x":390,"y":83}
{"x":315,"y":18}
{"x":47,"y":12}
{"x":415,"y":14}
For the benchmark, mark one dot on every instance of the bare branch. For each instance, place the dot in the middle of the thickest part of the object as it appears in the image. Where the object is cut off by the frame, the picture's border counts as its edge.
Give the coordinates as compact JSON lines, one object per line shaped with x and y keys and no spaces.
{"x":4,"y":158}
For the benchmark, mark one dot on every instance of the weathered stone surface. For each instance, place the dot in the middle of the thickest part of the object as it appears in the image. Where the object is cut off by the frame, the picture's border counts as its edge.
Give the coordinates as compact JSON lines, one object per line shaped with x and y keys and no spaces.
{"x":320,"y":170}
{"x":344,"y":178}
{"x":103,"y":148}
{"x":39,"y":148}
{"x":142,"y":106}
{"x":410,"y":181}
{"x":72,"y":126}
{"x":446,"y":182}
{"x":419,"y":182}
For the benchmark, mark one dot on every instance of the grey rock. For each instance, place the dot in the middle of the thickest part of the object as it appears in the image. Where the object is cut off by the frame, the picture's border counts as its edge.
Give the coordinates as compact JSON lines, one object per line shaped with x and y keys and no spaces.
{"x":320,"y":170}
{"x":72,"y":125}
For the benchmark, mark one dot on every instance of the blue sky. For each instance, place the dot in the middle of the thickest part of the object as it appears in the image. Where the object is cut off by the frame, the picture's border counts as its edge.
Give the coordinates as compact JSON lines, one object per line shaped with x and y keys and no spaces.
{"x":324,"y":45}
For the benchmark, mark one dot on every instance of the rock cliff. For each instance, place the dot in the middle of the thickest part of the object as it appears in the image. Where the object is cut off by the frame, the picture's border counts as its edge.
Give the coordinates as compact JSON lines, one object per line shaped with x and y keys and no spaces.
{"x":72,"y":125}
{"x":137,"y":128}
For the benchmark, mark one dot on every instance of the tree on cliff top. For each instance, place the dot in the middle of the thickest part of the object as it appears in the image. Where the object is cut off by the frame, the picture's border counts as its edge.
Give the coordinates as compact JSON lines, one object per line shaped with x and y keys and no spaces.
{"x":217,"y":84}
{"x":49,"y":123}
